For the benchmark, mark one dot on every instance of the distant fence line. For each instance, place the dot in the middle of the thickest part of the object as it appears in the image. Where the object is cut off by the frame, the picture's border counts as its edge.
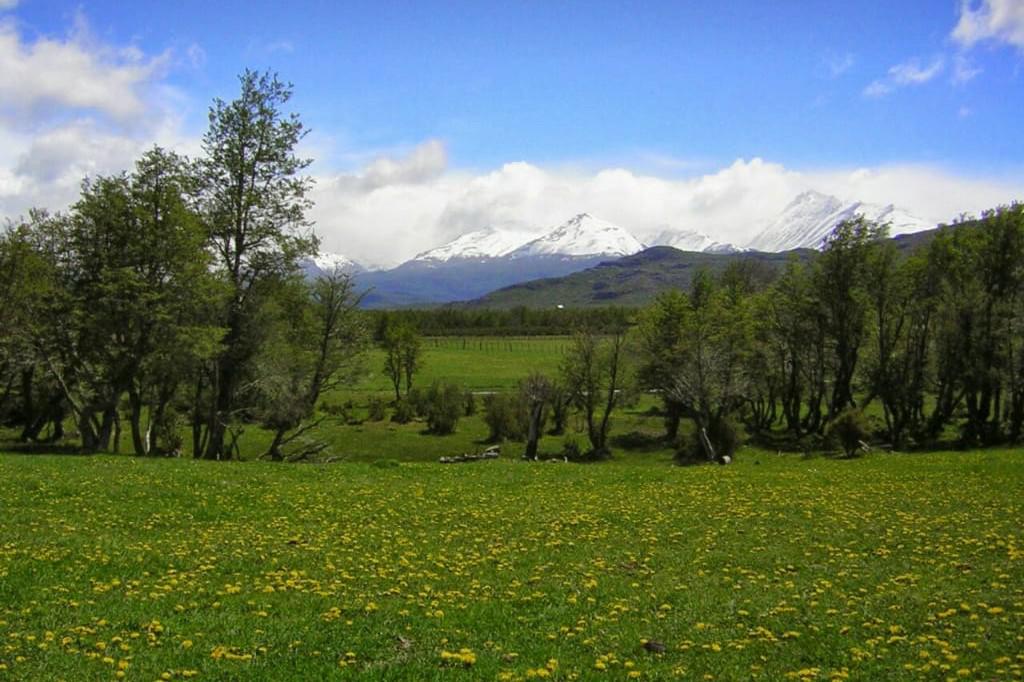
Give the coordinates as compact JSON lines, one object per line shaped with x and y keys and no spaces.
{"x":529,"y":344}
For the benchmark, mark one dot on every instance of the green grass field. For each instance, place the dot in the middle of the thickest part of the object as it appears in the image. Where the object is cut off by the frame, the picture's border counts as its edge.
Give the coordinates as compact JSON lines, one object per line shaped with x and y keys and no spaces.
{"x":477,"y":363}
{"x":885,"y":568}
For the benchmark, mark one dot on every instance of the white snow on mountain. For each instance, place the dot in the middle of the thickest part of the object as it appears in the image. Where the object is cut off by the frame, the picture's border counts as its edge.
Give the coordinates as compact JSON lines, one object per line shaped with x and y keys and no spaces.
{"x":811,"y":216}
{"x":582,"y":235}
{"x":325,"y":263}
{"x":328,"y":261}
{"x":691,"y":240}
{"x":478,"y":245}
{"x":684,"y":240}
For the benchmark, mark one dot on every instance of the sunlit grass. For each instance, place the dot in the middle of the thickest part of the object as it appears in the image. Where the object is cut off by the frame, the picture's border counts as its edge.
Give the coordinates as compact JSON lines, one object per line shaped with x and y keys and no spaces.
{"x":889,"y":567}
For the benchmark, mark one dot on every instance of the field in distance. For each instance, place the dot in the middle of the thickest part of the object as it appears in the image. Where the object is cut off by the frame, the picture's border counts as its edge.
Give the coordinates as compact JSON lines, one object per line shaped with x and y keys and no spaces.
{"x":779,"y":567}
{"x":478,"y":363}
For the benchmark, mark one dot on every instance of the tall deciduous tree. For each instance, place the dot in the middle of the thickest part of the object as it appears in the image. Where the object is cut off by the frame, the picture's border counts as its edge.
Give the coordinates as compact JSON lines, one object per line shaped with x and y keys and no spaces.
{"x":319,"y":337}
{"x":403,"y":352}
{"x":594,"y":370}
{"x":841,"y":281}
{"x":253,"y":200}
{"x":129,"y":281}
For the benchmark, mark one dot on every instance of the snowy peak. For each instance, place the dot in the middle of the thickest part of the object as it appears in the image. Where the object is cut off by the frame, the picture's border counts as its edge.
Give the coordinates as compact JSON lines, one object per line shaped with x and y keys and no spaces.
{"x":478,"y":245}
{"x":326,"y":260}
{"x":811,"y":216}
{"x":582,"y":235}
{"x":691,"y":240}
{"x":684,"y":240}
{"x":325,"y":263}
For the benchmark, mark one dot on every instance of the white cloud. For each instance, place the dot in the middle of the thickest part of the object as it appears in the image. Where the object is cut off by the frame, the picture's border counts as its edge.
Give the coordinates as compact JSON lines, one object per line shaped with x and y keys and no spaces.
{"x":75,"y":73}
{"x":908,"y":73}
{"x":8,"y":4}
{"x":386,"y":223}
{"x":74,"y":106}
{"x":1001,"y":21}
{"x":964,"y":70}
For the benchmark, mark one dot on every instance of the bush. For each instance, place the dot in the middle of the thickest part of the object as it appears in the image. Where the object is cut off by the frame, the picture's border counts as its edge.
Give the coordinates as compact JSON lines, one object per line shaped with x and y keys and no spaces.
{"x":559,"y":400}
{"x":376,"y":408}
{"x":417,"y":400}
{"x":849,"y":430}
{"x":341,"y":411}
{"x":404,"y":412}
{"x":506,"y":417}
{"x":470,"y":404}
{"x":725,"y":437}
{"x":571,"y":448}
{"x":444,"y":403}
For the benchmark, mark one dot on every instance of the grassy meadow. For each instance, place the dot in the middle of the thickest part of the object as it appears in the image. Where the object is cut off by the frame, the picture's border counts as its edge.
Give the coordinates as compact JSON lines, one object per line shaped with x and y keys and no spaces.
{"x":479,"y":364}
{"x":779,"y":567}
{"x":385,"y":565}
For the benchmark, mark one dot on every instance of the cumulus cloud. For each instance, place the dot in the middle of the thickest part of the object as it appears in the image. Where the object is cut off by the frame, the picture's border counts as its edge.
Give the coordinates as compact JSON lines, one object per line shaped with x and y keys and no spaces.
{"x":1000,"y":21}
{"x":386,"y":223}
{"x":75,"y":73}
{"x":908,"y":73}
{"x":73,"y":106}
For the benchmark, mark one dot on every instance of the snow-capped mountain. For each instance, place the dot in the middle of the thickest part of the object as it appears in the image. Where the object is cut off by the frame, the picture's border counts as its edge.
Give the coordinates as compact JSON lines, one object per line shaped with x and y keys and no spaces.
{"x":482,"y":261}
{"x":486,"y":243}
{"x":326,"y":262}
{"x":811,"y":216}
{"x":691,"y":240}
{"x":581,"y":236}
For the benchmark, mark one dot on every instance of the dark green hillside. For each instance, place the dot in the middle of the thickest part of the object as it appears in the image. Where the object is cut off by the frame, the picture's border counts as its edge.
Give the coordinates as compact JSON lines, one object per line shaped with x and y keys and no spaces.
{"x":633,"y":280}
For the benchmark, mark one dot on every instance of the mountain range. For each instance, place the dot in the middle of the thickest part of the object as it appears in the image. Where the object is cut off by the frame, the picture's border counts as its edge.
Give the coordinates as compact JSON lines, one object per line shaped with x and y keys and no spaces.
{"x":482,"y":261}
{"x":811,"y":216}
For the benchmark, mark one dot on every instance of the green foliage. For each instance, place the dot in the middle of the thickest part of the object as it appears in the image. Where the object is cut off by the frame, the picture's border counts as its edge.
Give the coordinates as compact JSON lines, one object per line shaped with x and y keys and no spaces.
{"x":445,"y":403}
{"x":492,"y":322}
{"x":376,"y":409}
{"x":594,"y":372}
{"x":849,"y":429}
{"x":403,"y":349}
{"x":404,"y":412}
{"x":723,"y":434}
{"x":252,"y":197}
{"x":506,"y":417}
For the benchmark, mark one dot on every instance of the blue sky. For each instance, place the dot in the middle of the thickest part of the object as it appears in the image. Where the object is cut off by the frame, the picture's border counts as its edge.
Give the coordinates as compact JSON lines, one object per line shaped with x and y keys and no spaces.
{"x":668,"y":91}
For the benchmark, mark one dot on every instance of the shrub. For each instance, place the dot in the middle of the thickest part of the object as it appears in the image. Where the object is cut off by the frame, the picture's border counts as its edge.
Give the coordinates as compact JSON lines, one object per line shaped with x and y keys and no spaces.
{"x":377,"y":409}
{"x":444,"y":403}
{"x":417,"y":400}
{"x":560,"y":406}
{"x":849,"y":429}
{"x":571,"y":447}
{"x":341,"y":411}
{"x":725,"y":437}
{"x":470,"y":404}
{"x":404,"y":412}
{"x":506,"y":417}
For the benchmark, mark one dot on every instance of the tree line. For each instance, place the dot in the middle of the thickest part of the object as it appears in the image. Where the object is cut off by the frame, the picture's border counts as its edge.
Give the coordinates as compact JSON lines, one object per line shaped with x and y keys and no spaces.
{"x":461,"y":320}
{"x":173,"y":290}
{"x":934,"y":339}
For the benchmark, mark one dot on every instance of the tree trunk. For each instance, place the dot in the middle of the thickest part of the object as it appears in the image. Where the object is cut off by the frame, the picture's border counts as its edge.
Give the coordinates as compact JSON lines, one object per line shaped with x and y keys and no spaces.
{"x":140,"y":442}
{"x":533,"y":432}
